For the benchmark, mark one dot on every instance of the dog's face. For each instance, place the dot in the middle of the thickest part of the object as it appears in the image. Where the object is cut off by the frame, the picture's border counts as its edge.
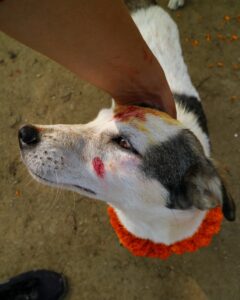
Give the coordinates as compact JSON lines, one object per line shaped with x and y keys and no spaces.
{"x":132,"y":157}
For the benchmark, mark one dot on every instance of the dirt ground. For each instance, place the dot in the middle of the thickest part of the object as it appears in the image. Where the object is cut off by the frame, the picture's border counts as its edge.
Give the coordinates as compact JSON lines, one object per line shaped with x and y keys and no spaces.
{"x":41,"y":227}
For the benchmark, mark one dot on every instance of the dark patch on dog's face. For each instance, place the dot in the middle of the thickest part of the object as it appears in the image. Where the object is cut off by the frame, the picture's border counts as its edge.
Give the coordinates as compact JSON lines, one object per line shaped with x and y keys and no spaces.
{"x":193,"y":105}
{"x":180,"y":165}
{"x":168,"y":163}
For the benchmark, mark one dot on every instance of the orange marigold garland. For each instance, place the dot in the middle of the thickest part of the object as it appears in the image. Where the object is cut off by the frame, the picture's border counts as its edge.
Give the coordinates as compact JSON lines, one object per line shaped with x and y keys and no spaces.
{"x":142,"y":247}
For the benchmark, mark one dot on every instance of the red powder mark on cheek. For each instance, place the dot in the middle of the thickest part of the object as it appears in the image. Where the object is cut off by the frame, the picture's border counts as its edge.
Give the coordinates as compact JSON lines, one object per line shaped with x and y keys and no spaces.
{"x":124,"y":113}
{"x":98,"y":166}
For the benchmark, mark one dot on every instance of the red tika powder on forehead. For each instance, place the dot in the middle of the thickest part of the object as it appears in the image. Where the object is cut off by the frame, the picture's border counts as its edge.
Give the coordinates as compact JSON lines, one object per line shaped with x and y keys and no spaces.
{"x":143,"y":247}
{"x":124,"y":113}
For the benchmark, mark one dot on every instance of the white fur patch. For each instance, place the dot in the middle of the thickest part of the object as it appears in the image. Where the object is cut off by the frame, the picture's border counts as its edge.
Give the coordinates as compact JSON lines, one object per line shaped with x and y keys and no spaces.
{"x":162,"y":225}
{"x":161,"y":34}
{"x":175,"y":4}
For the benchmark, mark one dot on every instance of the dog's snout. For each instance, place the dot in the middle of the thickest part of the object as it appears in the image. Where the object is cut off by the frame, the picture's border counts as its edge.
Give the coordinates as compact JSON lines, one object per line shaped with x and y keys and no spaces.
{"x":28,"y":135}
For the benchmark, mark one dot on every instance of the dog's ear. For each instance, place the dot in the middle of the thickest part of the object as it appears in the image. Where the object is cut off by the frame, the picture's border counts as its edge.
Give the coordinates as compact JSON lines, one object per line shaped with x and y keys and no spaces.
{"x":204,"y":189}
{"x":201,"y":186}
{"x":228,"y":205}
{"x":191,"y":179}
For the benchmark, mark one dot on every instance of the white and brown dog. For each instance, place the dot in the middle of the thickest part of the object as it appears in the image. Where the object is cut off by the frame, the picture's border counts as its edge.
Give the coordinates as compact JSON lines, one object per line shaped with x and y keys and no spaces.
{"x":155,"y":171}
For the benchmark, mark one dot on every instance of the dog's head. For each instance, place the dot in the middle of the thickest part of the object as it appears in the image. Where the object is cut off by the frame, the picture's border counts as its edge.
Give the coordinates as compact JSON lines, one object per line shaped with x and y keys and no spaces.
{"x":129,"y":156}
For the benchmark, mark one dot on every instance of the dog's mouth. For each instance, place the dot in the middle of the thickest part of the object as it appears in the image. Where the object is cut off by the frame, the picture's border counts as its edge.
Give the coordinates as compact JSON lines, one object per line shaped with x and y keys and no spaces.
{"x":63,"y":185}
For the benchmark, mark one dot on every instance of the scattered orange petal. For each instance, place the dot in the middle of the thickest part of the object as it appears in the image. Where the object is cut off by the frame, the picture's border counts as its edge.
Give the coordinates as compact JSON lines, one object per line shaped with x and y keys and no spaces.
{"x":227,"y":18}
{"x":234,"y":37}
{"x":220,"y":64}
{"x":238,"y":18}
{"x":236,"y":66}
{"x":178,"y":14}
{"x":233,"y":99}
{"x":195,"y":43}
{"x":221,"y":37}
{"x":210,"y":65}
{"x":17,"y":193}
{"x":208,"y":37}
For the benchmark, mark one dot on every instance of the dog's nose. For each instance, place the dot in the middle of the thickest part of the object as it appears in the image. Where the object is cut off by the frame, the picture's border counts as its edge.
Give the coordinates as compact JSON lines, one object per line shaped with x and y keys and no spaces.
{"x":28,"y":135}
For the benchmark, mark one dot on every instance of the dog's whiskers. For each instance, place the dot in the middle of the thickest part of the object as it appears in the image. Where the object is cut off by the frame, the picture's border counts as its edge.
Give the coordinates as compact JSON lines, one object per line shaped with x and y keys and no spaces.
{"x":58,"y":194}
{"x":30,"y":181}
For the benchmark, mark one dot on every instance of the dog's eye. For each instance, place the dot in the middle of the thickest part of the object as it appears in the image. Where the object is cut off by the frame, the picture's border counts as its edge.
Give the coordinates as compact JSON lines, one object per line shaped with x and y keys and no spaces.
{"x":124,"y":143}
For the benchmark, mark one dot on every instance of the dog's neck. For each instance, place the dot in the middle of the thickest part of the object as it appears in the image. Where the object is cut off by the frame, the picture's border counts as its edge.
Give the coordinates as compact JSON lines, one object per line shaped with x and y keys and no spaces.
{"x":162,"y":225}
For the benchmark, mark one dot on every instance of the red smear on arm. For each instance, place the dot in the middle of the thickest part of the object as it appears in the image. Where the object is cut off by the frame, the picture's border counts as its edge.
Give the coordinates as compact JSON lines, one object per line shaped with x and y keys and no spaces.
{"x":124,"y":113}
{"x":98,"y":166}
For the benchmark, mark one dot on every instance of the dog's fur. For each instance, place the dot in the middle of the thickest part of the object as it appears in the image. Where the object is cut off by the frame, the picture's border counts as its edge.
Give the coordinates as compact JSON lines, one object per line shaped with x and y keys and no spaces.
{"x":175,"y":4}
{"x":155,"y":171}
{"x":135,"y":5}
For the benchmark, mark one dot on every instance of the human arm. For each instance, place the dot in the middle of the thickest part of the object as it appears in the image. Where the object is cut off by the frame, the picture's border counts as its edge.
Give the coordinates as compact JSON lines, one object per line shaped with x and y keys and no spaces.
{"x":97,"y":40}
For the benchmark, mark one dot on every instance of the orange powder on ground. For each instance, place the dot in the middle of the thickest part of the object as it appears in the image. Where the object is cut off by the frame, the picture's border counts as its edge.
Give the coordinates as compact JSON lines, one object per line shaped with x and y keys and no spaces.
{"x":143,"y":247}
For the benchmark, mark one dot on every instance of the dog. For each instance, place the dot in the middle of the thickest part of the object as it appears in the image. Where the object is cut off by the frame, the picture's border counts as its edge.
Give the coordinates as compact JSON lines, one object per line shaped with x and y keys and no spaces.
{"x":135,"y":5}
{"x":175,"y":4}
{"x":155,"y":171}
